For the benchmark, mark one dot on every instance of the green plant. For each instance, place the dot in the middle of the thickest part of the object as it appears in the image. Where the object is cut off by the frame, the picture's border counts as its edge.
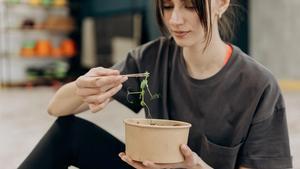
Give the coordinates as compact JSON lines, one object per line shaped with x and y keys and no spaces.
{"x":141,"y":93}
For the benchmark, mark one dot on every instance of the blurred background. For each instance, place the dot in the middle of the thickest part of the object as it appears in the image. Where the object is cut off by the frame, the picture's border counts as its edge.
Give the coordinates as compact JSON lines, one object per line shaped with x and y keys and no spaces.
{"x":47,"y":43}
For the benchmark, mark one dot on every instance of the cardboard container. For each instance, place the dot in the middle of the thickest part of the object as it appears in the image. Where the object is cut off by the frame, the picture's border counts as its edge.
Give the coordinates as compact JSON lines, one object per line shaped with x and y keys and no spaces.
{"x":155,"y":140}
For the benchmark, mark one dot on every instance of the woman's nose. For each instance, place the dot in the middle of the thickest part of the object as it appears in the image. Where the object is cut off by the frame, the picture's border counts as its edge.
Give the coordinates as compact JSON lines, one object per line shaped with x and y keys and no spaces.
{"x":176,"y":17}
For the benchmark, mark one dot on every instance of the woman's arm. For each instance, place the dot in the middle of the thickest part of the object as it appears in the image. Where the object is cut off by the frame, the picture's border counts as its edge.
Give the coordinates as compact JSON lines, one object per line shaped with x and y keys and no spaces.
{"x":66,"y":101}
{"x":91,"y":91}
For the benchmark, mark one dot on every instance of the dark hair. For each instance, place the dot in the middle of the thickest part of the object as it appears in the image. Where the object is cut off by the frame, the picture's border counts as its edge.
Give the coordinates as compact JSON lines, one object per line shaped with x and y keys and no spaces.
{"x":226,"y":22}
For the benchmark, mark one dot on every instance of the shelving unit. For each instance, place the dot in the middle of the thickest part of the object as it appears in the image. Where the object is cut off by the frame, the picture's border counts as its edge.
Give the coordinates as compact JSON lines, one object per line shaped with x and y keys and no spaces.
{"x":34,"y":37}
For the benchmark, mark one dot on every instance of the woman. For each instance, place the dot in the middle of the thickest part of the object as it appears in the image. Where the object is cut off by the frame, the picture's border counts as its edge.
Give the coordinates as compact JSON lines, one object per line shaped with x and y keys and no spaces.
{"x":234,"y":104}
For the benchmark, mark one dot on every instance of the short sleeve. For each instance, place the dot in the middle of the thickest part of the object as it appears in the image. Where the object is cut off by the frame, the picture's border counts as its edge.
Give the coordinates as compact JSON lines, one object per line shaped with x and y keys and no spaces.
{"x":127,"y":66}
{"x":267,"y":144}
{"x":148,"y":57}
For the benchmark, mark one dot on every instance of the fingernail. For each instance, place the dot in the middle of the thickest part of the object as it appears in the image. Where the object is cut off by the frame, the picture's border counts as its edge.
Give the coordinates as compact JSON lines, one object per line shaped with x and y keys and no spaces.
{"x":145,"y":163}
{"x":123,"y":158}
{"x":117,"y":72}
{"x":185,"y":147}
{"x":120,"y":87}
{"x":128,"y":159}
{"x":124,"y":79}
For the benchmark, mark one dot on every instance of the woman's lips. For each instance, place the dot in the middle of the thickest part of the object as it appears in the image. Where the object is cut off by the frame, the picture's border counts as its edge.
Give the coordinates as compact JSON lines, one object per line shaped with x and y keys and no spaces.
{"x":180,"y":34}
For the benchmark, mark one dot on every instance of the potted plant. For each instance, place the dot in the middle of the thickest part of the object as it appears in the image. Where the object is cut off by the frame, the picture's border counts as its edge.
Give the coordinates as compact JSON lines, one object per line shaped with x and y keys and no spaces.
{"x":156,"y":140}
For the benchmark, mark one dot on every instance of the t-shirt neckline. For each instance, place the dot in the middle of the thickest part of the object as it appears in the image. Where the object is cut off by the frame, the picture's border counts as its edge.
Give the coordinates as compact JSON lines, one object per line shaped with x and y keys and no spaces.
{"x":214,"y":78}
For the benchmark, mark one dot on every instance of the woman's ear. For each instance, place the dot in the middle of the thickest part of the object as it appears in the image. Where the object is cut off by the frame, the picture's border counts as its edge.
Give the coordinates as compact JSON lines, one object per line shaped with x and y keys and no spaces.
{"x":222,"y":6}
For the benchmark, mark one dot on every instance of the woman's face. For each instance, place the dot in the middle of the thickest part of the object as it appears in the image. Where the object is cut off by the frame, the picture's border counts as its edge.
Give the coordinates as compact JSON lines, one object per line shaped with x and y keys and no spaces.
{"x":183,"y":22}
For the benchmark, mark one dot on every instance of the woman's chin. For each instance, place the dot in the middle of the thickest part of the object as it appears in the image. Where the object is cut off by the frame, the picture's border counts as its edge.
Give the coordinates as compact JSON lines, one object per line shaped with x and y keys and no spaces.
{"x":182,"y":43}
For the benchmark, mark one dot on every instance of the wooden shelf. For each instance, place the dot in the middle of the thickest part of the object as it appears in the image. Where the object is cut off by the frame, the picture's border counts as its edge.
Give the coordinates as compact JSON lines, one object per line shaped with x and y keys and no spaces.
{"x":10,"y":54}
{"x":52,"y":31}
{"x":17,"y":55}
{"x":35,"y":6}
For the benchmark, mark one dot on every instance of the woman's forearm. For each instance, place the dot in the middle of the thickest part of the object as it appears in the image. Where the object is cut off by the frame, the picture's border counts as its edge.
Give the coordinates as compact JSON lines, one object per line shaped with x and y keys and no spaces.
{"x":66,"y":102}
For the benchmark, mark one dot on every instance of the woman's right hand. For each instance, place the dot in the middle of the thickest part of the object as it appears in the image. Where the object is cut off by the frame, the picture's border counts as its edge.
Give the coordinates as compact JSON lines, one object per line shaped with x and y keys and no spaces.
{"x":98,"y":85}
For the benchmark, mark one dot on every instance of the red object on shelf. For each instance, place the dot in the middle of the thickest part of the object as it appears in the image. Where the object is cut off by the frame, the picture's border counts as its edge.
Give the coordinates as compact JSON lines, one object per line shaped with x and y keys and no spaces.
{"x":27,"y":52}
{"x":27,"y":49}
{"x":68,"y":48}
{"x":43,"y":48}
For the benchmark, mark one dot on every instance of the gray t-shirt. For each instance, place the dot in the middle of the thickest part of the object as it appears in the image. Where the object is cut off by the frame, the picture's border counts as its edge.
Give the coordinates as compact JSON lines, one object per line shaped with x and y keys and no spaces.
{"x":237,"y":115}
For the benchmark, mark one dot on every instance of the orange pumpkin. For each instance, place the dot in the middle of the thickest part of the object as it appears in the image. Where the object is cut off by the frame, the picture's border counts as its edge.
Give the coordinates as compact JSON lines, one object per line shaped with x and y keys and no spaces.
{"x":60,"y":3}
{"x":43,"y":48}
{"x":68,"y":48}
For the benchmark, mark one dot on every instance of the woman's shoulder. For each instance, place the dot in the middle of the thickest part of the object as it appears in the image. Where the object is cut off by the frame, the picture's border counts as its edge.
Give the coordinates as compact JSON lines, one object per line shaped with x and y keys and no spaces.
{"x":260,"y":81}
{"x":255,"y":76}
{"x":253,"y":69}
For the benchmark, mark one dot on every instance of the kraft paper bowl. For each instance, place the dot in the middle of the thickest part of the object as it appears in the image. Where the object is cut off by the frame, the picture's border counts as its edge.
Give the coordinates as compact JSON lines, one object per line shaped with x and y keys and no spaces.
{"x":155,"y":140}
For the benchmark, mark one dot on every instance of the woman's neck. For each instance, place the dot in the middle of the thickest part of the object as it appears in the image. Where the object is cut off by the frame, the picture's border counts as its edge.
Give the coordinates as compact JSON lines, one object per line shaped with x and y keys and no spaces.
{"x":204,"y":64}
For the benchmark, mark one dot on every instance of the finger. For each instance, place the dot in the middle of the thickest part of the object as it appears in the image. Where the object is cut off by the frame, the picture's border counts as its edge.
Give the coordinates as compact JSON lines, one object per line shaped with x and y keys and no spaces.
{"x":189,"y":155}
{"x":108,"y":80}
{"x":150,"y":164}
{"x":95,"y":108}
{"x":186,"y":152}
{"x":84,"y":92}
{"x":86,"y":82}
{"x":201,"y":162}
{"x":94,"y":99}
{"x":112,"y":85}
{"x":87,"y":91}
{"x":129,"y":161}
{"x":94,"y":81}
{"x":98,"y":99}
{"x":101,"y":71}
{"x":121,"y":154}
{"x":105,"y":88}
{"x":111,"y":92}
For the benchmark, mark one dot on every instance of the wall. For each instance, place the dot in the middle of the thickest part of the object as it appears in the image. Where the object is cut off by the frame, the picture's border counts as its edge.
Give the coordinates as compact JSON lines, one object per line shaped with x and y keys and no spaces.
{"x":275,"y":35}
{"x":110,"y":7}
{"x":104,"y":8}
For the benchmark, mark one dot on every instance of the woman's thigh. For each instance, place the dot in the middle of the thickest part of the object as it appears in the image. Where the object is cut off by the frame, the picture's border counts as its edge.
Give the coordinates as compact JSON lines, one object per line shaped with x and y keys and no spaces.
{"x":95,"y":147}
{"x":78,"y":142}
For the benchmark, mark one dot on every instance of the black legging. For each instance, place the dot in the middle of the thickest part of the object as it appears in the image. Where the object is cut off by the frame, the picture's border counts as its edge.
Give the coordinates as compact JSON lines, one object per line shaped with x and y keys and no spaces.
{"x":75,"y":141}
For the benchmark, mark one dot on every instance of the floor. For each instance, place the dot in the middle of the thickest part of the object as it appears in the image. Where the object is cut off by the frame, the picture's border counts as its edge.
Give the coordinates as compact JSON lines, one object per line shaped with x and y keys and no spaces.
{"x":23,"y":121}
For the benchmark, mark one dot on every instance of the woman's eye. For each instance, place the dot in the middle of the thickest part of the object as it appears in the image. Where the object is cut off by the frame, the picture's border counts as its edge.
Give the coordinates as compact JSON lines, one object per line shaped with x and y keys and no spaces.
{"x":191,"y":7}
{"x":167,"y":7}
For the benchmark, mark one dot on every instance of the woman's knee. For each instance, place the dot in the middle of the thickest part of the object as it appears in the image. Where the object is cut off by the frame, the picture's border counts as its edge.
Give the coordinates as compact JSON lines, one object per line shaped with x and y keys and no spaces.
{"x":74,"y":125}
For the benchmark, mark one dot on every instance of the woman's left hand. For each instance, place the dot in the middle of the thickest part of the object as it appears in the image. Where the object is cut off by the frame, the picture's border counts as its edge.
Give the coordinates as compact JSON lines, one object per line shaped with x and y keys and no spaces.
{"x":191,"y":161}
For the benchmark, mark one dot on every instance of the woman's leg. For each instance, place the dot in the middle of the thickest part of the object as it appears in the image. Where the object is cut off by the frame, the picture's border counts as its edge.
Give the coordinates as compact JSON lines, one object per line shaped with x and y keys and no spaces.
{"x":74,"y":141}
